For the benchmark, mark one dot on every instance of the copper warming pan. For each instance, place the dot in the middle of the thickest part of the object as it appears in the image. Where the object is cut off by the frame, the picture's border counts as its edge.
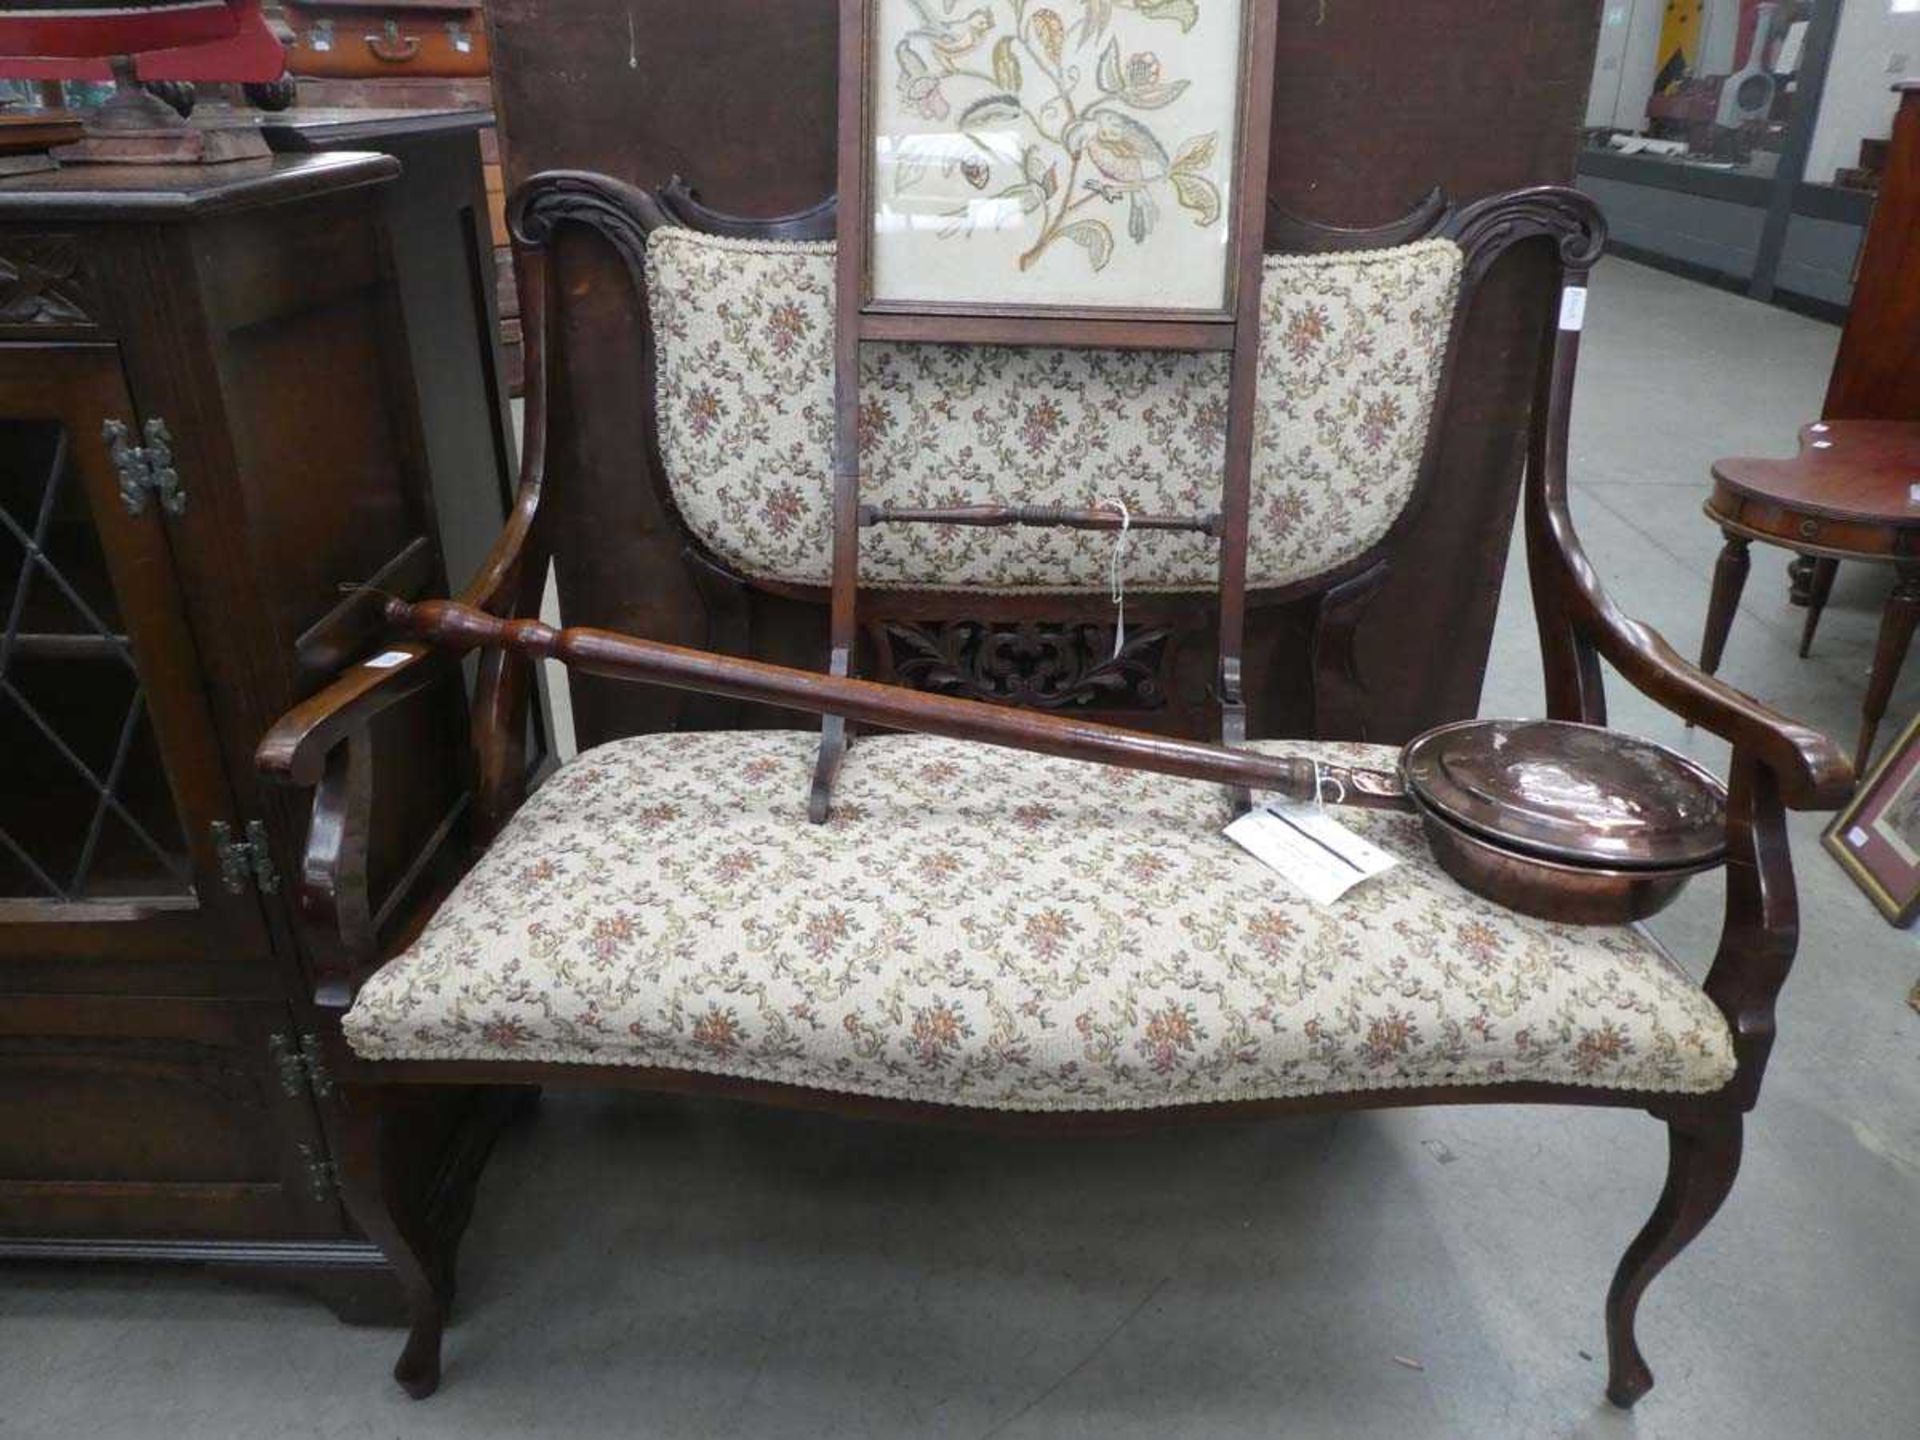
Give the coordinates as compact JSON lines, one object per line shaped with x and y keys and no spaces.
{"x":1570,"y":822}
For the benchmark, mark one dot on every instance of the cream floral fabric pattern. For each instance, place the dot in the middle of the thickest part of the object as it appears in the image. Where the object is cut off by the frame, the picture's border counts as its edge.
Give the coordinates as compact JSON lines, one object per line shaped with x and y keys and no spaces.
{"x":986,"y":929}
{"x":1352,"y":348}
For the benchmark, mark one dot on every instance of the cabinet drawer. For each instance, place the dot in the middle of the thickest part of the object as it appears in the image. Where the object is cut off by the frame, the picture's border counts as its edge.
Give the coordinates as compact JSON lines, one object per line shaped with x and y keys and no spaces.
{"x":156,"y":1117}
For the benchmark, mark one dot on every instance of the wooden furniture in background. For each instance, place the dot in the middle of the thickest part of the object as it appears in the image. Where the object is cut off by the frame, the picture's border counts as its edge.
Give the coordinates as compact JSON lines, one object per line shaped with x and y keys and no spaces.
{"x":437,"y":222}
{"x":507,"y":295}
{"x":1876,"y":375}
{"x":1359,"y":137}
{"x":1852,"y":493}
{"x":207,"y":423}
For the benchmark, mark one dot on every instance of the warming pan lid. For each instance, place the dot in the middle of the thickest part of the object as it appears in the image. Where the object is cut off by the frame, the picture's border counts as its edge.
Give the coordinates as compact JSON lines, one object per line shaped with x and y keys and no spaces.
{"x":1575,"y":793}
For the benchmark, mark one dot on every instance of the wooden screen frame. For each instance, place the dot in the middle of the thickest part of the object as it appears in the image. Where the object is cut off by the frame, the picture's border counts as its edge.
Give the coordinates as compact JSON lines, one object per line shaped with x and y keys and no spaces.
{"x":1117,"y":327}
{"x":1236,"y":331}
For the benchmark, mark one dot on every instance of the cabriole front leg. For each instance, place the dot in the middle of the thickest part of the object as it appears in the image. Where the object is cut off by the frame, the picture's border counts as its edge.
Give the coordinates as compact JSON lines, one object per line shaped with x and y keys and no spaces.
{"x":373,"y":1184}
{"x":1703,"y":1158}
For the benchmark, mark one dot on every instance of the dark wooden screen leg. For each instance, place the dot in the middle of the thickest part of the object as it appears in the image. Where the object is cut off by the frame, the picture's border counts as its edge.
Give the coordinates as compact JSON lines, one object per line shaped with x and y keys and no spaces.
{"x":1703,"y":1158}
{"x":1243,"y":388}
{"x":826,"y":766}
{"x":1896,"y":634}
{"x":1729,"y":579}
{"x":1819,"y":589}
{"x":852,"y":218}
{"x":374,"y":1190}
{"x":843,"y":620}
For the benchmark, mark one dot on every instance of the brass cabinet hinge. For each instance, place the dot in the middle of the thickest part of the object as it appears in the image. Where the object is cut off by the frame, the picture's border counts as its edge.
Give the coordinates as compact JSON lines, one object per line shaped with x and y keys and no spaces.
{"x":299,"y":1065}
{"x":145,"y":469}
{"x":244,"y":861}
{"x":322,"y":1177}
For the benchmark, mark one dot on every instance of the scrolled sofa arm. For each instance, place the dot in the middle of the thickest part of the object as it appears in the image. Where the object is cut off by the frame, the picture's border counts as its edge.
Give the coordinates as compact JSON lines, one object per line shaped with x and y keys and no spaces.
{"x":1776,"y":762}
{"x":295,"y":748}
{"x":1812,"y":771}
{"x":1579,"y":620}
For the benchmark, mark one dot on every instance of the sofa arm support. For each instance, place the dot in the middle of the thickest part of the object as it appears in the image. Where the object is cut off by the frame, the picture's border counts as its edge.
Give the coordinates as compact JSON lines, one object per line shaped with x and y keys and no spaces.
{"x":1578,"y":621}
{"x":1761,"y":932}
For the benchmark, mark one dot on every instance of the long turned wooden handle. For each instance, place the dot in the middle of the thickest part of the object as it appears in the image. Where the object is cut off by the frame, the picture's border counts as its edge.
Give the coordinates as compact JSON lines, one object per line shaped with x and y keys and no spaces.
{"x":446,"y":624}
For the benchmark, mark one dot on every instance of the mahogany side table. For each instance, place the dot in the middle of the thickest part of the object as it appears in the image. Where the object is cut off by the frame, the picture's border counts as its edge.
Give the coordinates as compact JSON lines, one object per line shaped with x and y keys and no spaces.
{"x":1852,"y":493}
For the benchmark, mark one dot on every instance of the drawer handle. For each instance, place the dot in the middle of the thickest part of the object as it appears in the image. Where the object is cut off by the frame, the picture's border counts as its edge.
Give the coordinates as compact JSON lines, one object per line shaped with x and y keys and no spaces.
{"x":393,"y":47}
{"x":1809,"y":529}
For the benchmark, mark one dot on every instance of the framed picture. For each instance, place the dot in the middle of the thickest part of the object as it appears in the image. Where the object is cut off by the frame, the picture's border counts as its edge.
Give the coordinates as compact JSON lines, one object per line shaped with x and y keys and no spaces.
{"x":1048,"y":157}
{"x":1876,"y":838}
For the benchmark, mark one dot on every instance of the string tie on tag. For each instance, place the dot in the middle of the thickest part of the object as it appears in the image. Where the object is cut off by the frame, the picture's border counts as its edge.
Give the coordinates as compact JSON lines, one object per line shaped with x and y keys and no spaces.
{"x":1321,"y":780}
{"x":1117,"y":580}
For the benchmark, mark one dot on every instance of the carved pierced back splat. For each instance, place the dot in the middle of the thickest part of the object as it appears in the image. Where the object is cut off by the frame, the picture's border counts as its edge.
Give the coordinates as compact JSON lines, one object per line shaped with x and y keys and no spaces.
{"x":1049,"y":650}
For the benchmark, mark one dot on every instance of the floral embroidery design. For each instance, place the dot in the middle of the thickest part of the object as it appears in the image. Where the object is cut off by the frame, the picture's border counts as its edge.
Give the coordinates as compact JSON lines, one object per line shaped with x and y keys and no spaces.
{"x":1352,"y":348}
{"x":1090,"y":154}
{"x":1110,"y":950}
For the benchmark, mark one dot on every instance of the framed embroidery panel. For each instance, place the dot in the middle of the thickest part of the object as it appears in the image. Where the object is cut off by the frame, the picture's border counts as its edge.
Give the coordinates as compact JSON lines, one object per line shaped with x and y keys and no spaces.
{"x":1048,"y":158}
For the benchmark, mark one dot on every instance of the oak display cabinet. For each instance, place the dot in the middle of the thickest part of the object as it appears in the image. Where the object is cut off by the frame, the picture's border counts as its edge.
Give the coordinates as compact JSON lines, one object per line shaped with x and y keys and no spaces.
{"x":207,"y":424}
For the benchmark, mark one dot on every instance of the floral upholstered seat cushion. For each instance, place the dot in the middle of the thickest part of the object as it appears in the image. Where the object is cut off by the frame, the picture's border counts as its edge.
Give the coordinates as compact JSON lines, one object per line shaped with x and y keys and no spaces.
{"x":1352,"y":350}
{"x":983,"y":928}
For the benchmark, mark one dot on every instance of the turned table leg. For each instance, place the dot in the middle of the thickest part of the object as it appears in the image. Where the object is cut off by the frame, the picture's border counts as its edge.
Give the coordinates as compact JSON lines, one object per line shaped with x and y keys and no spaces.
{"x":1729,"y":579}
{"x":1819,"y":589}
{"x":1896,"y":634}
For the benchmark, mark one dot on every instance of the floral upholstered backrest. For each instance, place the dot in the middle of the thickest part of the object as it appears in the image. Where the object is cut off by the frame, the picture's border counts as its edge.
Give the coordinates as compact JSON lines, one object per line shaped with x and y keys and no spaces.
{"x":1353,"y":347}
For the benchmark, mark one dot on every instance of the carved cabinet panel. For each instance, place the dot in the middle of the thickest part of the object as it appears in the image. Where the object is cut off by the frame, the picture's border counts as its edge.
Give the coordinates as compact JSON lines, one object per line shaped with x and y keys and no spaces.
{"x":43,"y":282}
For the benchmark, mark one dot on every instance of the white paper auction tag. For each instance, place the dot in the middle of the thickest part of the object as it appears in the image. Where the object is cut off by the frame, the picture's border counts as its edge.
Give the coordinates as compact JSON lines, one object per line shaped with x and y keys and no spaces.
{"x":1573,"y":307}
{"x":1308,"y":848}
{"x":386,"y":660}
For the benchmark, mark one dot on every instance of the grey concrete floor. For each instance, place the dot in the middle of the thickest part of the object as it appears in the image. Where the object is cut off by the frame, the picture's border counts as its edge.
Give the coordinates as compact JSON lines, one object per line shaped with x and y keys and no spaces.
{"x":644,"y":1269}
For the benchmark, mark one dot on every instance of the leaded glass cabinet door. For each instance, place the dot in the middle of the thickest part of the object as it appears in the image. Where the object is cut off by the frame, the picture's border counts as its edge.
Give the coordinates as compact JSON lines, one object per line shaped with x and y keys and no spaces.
{"x":110,"y":781}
